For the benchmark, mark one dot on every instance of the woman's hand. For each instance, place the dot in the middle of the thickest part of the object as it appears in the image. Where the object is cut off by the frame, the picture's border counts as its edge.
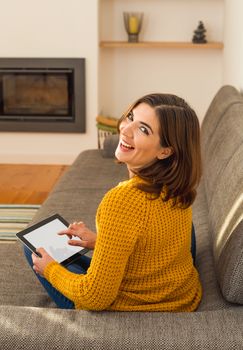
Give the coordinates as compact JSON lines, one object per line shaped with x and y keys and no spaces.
{"x":40,"y":263}
{"x":86,"y":237}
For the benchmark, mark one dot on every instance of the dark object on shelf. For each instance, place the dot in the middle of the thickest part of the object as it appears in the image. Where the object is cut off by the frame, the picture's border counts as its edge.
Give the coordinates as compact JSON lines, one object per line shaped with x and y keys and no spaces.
{"x":199,"y":36}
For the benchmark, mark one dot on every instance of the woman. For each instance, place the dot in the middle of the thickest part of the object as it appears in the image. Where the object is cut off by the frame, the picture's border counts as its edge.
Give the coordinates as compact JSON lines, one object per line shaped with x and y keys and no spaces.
{"x":142,"y":259}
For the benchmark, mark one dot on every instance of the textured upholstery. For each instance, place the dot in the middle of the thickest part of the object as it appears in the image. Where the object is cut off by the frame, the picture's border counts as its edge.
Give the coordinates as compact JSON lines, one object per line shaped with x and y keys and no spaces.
{"x":30,"y":320}
{"x":31,"y":328}
{"x":222,"y":101}
{"x":110,"y":145}
{"x":230,"y":266}
{"x":223,"y":180}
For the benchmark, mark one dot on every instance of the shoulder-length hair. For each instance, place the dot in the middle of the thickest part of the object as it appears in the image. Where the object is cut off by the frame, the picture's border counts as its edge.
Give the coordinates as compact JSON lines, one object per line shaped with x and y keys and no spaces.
{"x":179,"y":174}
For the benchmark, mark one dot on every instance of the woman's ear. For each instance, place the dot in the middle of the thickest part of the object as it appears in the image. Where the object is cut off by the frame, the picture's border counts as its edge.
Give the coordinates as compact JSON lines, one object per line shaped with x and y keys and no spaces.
{"x":165,"y":152}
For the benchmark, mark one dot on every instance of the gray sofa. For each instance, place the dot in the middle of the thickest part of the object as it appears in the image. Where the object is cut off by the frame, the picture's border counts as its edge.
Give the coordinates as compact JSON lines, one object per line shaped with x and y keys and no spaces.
{"x":30,"y":320}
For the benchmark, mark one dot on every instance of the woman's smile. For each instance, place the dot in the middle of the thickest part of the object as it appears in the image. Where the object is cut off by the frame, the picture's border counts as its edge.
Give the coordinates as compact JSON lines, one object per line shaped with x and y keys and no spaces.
{"x":125,"y":147}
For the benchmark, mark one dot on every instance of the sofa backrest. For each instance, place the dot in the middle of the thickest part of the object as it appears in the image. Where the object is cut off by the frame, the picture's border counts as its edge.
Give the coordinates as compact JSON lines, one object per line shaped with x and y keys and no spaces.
{"x":223,"y":100}
{"x":222,"y":154}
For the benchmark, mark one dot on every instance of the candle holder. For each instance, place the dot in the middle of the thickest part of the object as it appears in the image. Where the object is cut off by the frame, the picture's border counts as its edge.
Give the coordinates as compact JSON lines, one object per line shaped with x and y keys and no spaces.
{"x":133,"y":23}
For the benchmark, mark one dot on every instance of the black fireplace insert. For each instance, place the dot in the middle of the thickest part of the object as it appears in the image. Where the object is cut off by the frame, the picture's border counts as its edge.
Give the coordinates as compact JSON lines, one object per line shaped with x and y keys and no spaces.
{"x":42,"y":94}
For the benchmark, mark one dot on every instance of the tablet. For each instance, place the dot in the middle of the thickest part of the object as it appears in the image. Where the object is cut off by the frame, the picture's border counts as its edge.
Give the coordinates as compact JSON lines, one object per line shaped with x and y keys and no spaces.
{"x":45,"y":234}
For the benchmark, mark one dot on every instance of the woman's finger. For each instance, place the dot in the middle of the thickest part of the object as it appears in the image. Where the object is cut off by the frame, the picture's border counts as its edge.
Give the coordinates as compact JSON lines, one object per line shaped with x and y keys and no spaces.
{"x":65,"y":233}
{"x":76,"y":243}
{"x":35,"y":269}
{"x":69,"y":232}
{"x":76,"y":225}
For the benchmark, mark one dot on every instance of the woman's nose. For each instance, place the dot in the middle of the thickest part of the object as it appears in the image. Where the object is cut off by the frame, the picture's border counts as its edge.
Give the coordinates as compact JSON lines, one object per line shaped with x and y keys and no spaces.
{"x":127,"y":130}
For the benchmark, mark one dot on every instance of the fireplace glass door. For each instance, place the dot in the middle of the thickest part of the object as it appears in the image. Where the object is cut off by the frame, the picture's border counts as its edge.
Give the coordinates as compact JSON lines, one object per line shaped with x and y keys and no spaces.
{"x":36,"y":95}
{"x":42,"y":94}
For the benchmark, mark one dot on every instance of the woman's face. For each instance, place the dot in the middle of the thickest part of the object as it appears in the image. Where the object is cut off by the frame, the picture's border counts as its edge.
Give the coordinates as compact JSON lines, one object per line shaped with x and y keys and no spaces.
{"x":139,"y":143}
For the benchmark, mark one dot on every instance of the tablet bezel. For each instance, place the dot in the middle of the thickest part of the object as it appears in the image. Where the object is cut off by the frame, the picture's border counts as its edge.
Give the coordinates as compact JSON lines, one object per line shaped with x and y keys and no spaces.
{"x":21,"y":236}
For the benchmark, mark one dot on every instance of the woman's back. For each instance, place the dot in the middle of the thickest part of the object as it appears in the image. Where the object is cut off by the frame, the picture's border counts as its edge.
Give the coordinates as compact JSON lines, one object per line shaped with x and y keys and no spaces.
{"x":156,"y":237}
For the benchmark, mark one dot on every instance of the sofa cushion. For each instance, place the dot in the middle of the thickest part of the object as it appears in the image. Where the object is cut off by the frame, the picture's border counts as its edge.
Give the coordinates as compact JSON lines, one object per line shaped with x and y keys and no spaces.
{"x":91,"y":170}
{"x":230,"y":266}
{"x":110,"y":145}
{"x":225,"y":142}
{"x":223,"y":179}
{"x":212,"y":296}
{"x":223,"y":100}
{"x":19,"y":286}
{"x":31,"y":328}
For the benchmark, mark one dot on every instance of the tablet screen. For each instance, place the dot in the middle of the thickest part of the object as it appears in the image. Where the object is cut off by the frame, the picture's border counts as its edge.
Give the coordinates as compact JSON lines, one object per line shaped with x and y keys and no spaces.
{"x":46,"y":236}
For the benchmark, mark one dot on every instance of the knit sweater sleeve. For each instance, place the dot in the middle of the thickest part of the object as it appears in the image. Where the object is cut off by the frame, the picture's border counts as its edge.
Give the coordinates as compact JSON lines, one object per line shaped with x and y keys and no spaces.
{"x":119,"y":221}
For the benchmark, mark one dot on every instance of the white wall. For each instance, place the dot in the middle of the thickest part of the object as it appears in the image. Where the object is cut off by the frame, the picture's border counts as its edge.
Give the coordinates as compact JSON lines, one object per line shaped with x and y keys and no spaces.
{"x":51,"y":28}
{"x":61,"y":28}
{"x":126,"y":74}
{"x":233,"y":39}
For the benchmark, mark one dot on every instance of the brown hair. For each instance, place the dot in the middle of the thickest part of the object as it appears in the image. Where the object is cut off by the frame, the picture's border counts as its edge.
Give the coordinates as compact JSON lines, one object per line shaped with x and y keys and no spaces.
{"x":180,"y":173}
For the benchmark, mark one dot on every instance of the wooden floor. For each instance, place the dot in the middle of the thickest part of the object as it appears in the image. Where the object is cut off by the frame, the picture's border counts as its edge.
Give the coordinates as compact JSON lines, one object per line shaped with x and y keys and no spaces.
{"x":27,"y":184}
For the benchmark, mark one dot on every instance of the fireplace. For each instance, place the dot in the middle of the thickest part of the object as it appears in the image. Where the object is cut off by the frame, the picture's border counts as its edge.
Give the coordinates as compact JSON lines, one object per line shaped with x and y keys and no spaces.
{"x":42,"y":94}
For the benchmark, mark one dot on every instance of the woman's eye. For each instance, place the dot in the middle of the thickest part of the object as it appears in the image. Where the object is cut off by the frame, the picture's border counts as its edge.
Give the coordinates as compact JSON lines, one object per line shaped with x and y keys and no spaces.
{"x":144,"y":130}
{"x":130,"y":117}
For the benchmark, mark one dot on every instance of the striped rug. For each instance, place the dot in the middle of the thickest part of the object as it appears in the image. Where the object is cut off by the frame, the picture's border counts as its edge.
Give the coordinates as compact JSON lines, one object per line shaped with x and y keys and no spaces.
{"x":14,"y":218}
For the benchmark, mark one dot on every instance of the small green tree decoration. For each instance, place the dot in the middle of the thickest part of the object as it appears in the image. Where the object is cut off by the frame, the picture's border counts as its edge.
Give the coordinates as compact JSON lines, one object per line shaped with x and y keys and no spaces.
{"x":199,"y":36}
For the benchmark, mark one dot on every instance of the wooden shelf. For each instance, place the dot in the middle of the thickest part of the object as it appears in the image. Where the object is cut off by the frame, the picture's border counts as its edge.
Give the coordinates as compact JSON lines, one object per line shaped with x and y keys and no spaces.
{"x":161,"y":44}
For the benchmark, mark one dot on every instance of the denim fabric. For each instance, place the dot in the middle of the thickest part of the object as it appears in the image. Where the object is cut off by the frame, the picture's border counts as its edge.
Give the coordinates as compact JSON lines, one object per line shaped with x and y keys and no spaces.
{"x":80,"y":266}
{"x":193,"y":245}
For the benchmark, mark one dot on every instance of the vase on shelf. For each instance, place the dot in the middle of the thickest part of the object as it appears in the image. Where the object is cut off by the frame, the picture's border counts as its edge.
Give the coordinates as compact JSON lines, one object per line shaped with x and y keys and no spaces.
{"x":133,"y":24}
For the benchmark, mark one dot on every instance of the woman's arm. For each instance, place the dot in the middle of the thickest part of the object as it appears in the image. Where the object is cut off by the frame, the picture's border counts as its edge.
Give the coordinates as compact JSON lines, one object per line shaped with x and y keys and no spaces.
{"x":119,"y":222}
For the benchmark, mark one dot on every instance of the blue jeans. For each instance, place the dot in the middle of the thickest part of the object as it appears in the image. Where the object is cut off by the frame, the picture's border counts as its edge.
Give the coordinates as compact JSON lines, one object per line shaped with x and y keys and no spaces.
{"x":193,"y":245}
{"x":80,"y":266}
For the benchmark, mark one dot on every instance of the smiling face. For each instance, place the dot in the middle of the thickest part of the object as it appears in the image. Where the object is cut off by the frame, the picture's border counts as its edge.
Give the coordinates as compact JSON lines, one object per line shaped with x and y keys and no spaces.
{"x":139,"y":144}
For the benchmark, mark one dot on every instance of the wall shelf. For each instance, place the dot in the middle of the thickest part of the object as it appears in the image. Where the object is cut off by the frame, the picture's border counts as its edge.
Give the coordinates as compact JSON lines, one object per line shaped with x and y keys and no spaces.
{"x":161,"y":44}
{"x":165,"y":59}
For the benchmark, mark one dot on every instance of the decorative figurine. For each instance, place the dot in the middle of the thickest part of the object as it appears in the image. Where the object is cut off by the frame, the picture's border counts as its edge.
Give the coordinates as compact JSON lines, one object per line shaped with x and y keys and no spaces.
{"x":199,"y":36}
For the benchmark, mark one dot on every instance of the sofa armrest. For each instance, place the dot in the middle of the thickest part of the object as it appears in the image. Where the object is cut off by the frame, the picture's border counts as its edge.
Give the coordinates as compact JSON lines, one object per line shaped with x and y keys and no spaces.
{"x":35,"y":328}
{"x":110,"y":145}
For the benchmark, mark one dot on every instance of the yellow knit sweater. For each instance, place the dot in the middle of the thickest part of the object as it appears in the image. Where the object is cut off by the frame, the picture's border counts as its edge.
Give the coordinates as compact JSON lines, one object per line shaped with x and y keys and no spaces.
{"x":141,"y":261}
